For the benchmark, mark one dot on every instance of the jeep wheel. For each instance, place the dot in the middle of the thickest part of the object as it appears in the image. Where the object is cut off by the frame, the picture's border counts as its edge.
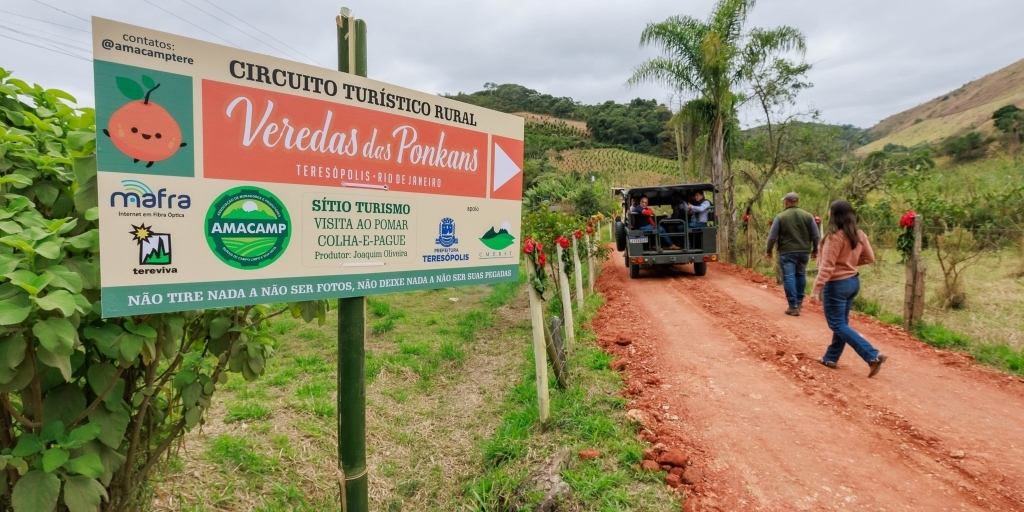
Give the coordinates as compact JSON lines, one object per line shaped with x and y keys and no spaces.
{"x":620,"y":236}
{"x":634,"y":271}
{"x":700,"y":268}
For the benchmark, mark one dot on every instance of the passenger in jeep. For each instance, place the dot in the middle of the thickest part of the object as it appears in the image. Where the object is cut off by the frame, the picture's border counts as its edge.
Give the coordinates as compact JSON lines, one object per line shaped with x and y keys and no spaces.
{"x":644,"y":217}
{"x":699,"y":211}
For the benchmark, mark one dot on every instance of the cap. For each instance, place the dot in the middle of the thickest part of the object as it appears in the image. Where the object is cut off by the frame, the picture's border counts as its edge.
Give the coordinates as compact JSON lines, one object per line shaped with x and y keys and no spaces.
{"x":791,"y":197}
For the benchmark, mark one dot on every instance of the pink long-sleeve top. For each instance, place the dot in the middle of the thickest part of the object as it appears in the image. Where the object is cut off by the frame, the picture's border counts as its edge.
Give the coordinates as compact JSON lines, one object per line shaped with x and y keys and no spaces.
{"x":839,"y":261}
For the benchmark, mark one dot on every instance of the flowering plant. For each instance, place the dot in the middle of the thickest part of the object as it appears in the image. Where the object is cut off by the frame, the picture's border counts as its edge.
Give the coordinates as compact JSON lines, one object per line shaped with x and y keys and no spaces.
{"x":563,"y":242}
{"x":590,"y":230}
{"x":577,"y":234}
{"x":535,"y":251}
{"x":905,"y":242}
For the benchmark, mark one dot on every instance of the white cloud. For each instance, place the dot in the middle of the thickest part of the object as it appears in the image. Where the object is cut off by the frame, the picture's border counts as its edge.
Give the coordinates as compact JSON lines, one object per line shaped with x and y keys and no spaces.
{"x":872,"y":58}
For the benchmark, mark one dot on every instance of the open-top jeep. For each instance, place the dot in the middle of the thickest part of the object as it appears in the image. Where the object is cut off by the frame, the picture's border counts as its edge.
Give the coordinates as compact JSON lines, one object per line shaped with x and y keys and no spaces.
{"x":667,"y":237}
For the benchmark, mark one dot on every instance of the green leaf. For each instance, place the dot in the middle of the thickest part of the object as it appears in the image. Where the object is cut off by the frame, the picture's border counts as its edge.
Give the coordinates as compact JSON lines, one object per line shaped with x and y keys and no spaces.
{"x":148,"y":82}
{"x":51,"y":430}
{"x":131,"y":346}
{"x":61,"y":362}
{"x":184,"y":377}
{"x":15,"y":310}
{"x":65,"y":278}
{"x":37,"y":491}
{"x":12,"y":351}
{"x":82,"y":435}
{"x":83,"y":494}
{"x":86,"y":195}
{"x":63,"y":403}
{"x":54,"y":458}
{"x":79,"y":138}
{"x":27,"y":445}
{"x":56,"y":334}
{"x":29,"y":281}
{"x":46,"y":192}
{"x":190,"y":395}
{"x":106,"y":339}
{"x":58,"y":299}
{"x":112,"y":425}
{"x":88,"y":465}
{"x":48,"y":250}
{"x":192,"y":416}
{"x":219,"y":326}
{"x":92,"y":213}
{"x":143,"y":330}
{"x":90,"y":240}
{"x":23,"y":375}
{"x":16,"y":179}
{"x":130,"y":88}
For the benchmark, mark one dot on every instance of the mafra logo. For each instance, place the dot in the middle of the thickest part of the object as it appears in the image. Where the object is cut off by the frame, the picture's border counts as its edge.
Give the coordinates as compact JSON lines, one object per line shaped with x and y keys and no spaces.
{"x":137,"y":194}
{"x":248,"y":228}
{"x":154,"y":250}
{"x":446,"y":230}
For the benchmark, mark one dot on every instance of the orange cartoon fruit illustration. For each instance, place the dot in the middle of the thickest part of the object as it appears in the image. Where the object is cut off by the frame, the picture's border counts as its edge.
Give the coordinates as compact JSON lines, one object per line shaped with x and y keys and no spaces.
{"x":141,"y":128}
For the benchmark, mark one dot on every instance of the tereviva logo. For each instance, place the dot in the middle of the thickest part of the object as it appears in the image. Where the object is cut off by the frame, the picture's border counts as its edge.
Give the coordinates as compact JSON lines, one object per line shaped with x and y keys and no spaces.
{"x":137,"y":194}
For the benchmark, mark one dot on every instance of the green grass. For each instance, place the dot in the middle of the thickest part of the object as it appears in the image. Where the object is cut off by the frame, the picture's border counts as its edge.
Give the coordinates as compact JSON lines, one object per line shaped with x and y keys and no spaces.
{"x":1000,"y":356}
{"x":246,"y":411}
{"x":589,"y":414}
{"x":239,"y":454}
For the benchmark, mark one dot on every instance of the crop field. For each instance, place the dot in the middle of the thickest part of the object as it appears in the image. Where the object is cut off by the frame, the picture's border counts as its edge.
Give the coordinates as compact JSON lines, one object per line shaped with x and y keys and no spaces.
{"x":620,"y":167}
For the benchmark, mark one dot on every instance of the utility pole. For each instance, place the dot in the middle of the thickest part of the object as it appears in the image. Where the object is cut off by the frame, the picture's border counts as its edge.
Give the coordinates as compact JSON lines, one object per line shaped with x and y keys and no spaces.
{"x":352,"y":325}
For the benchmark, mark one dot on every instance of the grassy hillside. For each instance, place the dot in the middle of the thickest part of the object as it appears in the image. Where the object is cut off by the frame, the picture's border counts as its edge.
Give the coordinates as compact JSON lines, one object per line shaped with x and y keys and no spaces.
{"x":968,"y":108}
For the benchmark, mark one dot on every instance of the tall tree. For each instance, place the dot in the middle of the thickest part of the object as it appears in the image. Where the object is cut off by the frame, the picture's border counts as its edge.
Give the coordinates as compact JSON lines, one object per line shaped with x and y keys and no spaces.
{"x":707,"y":58}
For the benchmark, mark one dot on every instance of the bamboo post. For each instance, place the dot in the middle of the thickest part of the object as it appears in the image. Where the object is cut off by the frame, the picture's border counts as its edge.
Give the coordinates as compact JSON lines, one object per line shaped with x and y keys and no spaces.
{"x":578,"y":273}
{"x":563,"y":280}
{"x":590,"y":265}
{"x":352,"y":326}
{"x":611,"y":230}
{"x":539,"y":342}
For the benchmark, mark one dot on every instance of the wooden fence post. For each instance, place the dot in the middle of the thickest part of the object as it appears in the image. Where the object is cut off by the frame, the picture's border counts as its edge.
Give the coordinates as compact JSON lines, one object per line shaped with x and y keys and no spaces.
{"x":539,"y":341}
{"x":578,"y":272}
{"x":913,"y":297}
{"x":750,"y":244}
{"x":563,"y":280}
{"x":590,"y":265}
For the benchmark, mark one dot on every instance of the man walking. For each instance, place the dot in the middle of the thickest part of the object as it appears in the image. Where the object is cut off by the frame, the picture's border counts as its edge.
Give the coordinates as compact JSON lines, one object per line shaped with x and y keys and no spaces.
{"x":797,"y":236}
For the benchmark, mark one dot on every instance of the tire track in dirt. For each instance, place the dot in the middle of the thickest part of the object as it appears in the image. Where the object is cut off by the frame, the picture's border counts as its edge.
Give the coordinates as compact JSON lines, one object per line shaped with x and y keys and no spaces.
{"x":717,"y":371}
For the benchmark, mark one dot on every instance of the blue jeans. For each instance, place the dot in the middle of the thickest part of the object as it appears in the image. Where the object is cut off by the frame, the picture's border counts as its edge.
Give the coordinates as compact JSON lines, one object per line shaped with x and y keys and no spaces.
{"x":665,"y":241}
{"x":794,"y":276}
{"x":698,"y":224}
{"x":837,"y":298}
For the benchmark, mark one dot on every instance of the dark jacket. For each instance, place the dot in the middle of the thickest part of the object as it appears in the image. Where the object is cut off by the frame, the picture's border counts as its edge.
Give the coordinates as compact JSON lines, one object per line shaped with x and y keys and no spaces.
{"x":795,"y":231}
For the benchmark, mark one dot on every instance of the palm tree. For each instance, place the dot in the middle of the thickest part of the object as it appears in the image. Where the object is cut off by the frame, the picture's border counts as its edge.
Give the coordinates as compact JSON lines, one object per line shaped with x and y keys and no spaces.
{"x":710,"y":59}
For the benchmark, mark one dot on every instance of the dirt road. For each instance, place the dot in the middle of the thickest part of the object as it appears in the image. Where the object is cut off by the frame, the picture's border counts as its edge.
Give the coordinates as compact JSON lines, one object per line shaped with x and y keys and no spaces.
{"x":723,"y":374}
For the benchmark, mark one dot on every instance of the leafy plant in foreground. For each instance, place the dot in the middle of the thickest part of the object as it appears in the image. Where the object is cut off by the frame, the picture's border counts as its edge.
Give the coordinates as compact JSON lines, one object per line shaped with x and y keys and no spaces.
{"x":89,"y":405}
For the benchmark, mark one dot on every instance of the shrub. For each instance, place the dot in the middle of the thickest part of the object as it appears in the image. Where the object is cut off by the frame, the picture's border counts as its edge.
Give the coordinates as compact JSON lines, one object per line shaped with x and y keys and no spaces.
{"x":89,"y":405}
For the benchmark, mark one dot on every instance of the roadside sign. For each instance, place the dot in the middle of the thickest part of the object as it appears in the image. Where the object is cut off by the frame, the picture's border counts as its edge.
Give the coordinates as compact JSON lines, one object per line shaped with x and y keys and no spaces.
{"x":229,"y":178}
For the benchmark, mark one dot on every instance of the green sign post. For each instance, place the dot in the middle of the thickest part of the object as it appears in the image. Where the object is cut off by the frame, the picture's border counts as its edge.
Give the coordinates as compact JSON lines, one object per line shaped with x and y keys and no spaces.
{"x":352,"y":325}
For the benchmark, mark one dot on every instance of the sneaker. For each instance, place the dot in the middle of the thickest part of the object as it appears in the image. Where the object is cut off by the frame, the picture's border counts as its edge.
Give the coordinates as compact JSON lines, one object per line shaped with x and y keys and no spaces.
{"x":791,"y":311}
{"x":828,"y":364}
{"x":876,"y":365}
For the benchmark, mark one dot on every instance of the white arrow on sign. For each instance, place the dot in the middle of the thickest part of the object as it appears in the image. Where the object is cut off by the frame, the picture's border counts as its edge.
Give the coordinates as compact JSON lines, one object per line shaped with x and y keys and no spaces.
{"x":504,"y":168}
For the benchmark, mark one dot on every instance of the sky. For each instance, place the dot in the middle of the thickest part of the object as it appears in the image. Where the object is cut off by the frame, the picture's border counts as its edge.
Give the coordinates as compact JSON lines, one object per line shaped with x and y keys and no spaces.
{"x":871,"y":58}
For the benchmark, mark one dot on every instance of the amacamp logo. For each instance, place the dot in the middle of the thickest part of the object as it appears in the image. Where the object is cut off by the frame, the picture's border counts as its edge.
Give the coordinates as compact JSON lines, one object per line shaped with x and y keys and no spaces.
{"x":137,"y":194}
{"x":248,"y":228}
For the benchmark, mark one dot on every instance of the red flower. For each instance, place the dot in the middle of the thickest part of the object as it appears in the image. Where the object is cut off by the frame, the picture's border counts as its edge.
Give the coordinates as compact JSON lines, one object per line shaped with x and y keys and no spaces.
{"x":746,"y":218}
{"x":540,"y":247}
{"x":578,"y":234}
{"x":590,"y":229}
{"x":528,"y":246}
{"x":770,"y":222}
{"x":907,"y":220}
{"x":562,"y":241}
{"x":590,"y":224}
{"x":542,"y":258}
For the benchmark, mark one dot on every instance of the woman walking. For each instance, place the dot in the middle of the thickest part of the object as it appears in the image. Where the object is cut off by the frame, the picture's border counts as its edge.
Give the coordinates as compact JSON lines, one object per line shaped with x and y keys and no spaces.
{"x":843,"y":249}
